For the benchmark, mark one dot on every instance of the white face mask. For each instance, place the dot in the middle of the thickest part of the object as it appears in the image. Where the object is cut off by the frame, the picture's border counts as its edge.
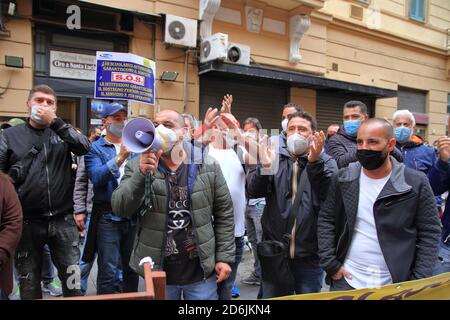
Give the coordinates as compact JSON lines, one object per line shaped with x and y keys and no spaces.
{"x":34,"y":116}
{"x":297,"y":144}
{"x":284,"y":124}
{"x":168,"y":138}
{"x":252,"y":135}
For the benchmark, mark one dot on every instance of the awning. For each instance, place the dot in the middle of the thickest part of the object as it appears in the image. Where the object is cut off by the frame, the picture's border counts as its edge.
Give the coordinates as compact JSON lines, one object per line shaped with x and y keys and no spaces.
{"x":296,"y":79}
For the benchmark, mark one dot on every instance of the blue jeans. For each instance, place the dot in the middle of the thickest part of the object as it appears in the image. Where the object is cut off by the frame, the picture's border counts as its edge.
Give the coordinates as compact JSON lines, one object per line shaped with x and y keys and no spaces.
{"x":48,"y":270}
{"x":115,"y":243}
{"x":85,"y":267}
{"x":253,"y":216}
{"x":224,"y":288}
{"x":443,"y":263}
{"x":308,"y":278}
{"x":203,"y":290}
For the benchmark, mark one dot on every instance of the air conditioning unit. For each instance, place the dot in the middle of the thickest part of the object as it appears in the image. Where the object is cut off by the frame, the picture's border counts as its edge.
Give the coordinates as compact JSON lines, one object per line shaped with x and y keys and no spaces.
{"x":180,"y":31}
{"x":238,"y":53}
{"x":214,"y":47}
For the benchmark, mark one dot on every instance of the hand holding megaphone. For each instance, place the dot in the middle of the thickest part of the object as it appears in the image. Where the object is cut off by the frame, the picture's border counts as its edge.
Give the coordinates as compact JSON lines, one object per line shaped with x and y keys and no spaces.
{"x":148,"y":161}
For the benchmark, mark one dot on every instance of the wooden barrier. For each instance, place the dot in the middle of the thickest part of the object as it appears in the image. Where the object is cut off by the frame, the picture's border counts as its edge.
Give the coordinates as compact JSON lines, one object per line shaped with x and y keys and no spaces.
{"x":155,"y":289}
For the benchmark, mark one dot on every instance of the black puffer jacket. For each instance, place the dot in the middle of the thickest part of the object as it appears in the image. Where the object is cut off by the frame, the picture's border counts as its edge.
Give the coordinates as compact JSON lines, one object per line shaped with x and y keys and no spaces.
{"x":313,"y":180}
{"x":48,"y":186}
{"x":405,"y":217}
{"x":342,"y":148}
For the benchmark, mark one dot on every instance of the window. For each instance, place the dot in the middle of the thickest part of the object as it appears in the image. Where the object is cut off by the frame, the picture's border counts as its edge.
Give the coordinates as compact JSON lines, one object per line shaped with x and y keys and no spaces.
{"x":40,"y":61}
{"x":417,"y":10}
{"x":411,"y":99}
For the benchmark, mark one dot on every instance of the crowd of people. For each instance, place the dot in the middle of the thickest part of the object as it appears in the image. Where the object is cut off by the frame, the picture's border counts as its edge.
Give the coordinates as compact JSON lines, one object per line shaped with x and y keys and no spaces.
{"x":359,"y":206}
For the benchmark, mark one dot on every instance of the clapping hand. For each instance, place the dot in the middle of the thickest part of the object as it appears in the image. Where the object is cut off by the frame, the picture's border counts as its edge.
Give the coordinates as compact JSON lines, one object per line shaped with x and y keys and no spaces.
{"x":316,"y":146}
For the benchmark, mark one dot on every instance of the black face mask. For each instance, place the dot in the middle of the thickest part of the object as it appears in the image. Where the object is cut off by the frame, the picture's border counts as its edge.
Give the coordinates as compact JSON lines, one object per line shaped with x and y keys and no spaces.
{"x":371,"y":159}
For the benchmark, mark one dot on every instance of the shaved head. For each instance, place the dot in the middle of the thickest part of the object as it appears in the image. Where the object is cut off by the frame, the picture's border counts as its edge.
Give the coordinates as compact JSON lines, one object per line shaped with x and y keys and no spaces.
{"x":386,"y":127}
{"x":170,"y":115}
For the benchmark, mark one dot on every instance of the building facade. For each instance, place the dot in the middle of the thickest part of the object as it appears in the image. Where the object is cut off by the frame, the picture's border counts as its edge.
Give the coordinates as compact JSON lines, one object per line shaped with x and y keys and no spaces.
{"x":319,"y":53}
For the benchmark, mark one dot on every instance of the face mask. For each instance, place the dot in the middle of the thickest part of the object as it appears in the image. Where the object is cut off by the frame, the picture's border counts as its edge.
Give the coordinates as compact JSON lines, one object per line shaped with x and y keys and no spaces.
{"x":284,"y":124}
{"x":252,"y":135}
{"x":187,"y":137}
{"x":371,"y":159}
{"x":168,"y":138}
{"x":116,"y":129}
{"x":351,"y":127}
{"x":230,"y":141}
{"x":297,"y":144}
{"x":402,"y":134}
{"x":35,"y":117}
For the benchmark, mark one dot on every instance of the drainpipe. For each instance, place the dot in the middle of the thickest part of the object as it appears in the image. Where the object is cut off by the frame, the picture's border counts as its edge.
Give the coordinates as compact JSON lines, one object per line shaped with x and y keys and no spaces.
{"x":186,"y":68}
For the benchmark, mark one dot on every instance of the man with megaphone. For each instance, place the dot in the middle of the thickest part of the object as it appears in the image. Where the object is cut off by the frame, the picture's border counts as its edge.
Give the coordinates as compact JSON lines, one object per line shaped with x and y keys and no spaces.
{"x":183,"y":205}
{"x":110,"y":234}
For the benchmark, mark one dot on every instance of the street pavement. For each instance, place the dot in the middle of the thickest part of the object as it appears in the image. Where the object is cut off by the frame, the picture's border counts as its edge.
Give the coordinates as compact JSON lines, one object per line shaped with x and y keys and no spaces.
{"x":247,"y":292}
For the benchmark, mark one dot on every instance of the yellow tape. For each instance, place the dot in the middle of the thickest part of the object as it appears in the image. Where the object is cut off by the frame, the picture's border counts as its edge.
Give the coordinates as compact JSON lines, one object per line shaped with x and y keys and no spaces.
{"x":434,"y":288}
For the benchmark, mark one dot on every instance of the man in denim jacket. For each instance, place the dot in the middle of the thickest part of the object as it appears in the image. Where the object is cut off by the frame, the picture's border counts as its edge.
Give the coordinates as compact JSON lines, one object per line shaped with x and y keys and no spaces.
{"x":111,"y":235}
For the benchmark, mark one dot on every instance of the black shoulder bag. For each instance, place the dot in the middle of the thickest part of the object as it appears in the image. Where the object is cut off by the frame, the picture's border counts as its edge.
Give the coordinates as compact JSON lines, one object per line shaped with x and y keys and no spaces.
{"x":19,"y":170}
{"x":274,"y":255}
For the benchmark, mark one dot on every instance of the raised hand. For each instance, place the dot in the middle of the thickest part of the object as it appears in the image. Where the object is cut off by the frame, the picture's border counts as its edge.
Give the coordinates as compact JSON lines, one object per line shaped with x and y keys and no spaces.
{"x":211,"y":116}
{"x":266,"y":152}
{"x":444,"y":148}
{"x":226,"y":104}
{"x":123,"y":155}
{"x":47,"y":114}
{"x":316,"y":146}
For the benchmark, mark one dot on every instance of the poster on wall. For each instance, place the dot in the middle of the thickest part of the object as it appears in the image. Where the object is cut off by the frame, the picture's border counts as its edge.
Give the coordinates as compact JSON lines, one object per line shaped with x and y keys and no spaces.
{"x":125,"y":76}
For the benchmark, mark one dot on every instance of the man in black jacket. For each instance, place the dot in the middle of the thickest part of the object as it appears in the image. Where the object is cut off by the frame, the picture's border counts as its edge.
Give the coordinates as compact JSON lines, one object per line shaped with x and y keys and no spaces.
{"x":342,"y":146}
{"x":378,"y":224}
{"x":294,"y":181}
{"x":37,"y":155}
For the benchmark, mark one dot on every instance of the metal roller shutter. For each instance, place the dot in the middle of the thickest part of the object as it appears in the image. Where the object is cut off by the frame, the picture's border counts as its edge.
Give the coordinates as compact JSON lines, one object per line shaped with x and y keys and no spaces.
{"x":251,"y":98}
{"x":329,"y":107}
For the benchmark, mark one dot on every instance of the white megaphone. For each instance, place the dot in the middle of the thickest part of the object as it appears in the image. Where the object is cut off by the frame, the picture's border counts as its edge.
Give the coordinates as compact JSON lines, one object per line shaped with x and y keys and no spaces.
{"x":140,"y":134}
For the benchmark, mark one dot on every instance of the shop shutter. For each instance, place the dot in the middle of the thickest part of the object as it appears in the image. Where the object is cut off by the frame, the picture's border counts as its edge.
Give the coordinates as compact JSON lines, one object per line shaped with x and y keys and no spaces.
{"x":330,"y":106}
{"x":252,"y":98}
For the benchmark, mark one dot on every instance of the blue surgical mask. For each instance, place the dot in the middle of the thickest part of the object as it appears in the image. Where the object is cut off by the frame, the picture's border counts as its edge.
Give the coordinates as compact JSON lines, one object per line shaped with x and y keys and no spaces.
{"x":116,"y":129}
{"x":34,"y":115}
{"x":351,"y":127}
{"x":402,"y":134}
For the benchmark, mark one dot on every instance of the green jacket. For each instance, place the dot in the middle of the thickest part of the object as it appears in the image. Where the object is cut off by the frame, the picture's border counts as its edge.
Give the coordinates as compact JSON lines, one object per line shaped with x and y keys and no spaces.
{"x":211,"y":207}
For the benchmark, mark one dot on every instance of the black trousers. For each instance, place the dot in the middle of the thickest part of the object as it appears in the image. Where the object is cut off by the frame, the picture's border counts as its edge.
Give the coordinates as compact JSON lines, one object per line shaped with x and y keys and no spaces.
{"x":61,"y":234}
{"x":340,"y":285}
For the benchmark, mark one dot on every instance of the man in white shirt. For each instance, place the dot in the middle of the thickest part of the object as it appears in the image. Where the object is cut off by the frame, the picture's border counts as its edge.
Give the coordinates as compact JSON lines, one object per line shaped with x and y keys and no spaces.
{"x":378,"y":224}
{"x":223,"y":149}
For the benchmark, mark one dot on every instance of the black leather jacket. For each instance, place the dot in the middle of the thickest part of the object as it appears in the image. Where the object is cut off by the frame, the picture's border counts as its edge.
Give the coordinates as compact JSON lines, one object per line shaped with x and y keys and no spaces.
{"x":47,"y":189}
{"x":405,"y":216}
{"x":313,"y":180}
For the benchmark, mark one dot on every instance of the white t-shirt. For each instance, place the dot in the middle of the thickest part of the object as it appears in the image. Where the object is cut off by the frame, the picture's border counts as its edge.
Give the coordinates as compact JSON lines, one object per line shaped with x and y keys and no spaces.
{"x":122,"y":167}
{"x":235,"y":177}
{"x":365,"y":261}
